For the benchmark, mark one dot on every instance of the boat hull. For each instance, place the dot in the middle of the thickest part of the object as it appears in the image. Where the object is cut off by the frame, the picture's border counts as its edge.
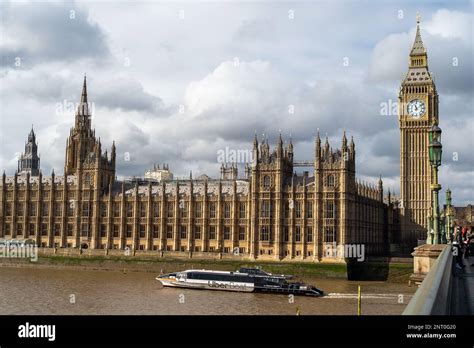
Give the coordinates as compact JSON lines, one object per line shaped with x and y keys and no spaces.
{"x":250,"y":281}
{"x":207,"y":285}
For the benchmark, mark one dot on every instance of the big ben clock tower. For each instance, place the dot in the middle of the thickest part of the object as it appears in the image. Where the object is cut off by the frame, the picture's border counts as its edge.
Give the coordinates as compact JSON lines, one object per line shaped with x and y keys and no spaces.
{"x":417,"y":112}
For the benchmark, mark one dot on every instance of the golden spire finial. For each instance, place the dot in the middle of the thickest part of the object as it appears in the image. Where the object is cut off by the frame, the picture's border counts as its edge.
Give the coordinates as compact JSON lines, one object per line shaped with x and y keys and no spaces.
{"x":418,"y":18}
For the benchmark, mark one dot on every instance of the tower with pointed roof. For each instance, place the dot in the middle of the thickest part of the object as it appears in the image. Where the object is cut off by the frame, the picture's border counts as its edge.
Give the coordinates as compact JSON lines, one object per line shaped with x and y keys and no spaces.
{"x":93,"y":169}
{"x":270,"y":171}
{"x":84,"y":157}
{"x":418,"y":111}
{"x":29,"y":162}
{"x":334,"y":192}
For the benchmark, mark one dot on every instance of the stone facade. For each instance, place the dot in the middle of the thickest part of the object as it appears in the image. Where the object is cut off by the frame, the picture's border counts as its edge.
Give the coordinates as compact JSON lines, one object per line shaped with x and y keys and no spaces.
{"x":159,"y":174}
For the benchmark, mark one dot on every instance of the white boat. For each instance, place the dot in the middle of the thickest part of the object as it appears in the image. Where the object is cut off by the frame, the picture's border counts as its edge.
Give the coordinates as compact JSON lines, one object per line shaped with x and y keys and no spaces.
{"x":211,"y":280}
{"x":244,"y":280}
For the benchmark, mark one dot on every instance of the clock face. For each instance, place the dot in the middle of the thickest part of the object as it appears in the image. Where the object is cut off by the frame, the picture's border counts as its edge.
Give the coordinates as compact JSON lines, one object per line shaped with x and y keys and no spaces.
{"x":416,"y":108}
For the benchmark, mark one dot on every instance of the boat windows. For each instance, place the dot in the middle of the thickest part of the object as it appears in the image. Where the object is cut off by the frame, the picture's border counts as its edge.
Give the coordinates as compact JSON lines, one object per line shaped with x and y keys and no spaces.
{"x":181,"y":276}
{"x":220,"y":277}
{"x":255,"y":271}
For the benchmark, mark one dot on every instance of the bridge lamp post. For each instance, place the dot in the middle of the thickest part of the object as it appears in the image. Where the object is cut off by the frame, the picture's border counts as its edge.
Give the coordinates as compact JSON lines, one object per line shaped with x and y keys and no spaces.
{"x":449,"y":217}
{"x":435,"y":152}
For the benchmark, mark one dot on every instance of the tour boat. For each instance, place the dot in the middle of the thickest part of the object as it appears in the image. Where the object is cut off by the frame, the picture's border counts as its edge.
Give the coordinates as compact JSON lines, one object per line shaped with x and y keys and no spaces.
{"x":244,"y":280}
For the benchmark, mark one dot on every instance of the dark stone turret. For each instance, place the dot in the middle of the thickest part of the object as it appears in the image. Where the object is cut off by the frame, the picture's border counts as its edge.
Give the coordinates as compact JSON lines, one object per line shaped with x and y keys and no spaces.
{"x":29,"y":162}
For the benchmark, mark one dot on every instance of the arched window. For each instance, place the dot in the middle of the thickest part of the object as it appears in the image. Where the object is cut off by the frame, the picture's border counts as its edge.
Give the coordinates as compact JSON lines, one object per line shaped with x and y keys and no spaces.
{"x":330,"y":235}
{"x":330,"y":213}
{"x":266,"y":182}
{"x":87,"y":179}
{"x":265,"y":233}
{"x":331,"y":180}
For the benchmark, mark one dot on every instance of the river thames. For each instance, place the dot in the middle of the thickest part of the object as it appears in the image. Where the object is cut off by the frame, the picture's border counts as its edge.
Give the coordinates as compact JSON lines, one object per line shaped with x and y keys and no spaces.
{"x":66,"y":291}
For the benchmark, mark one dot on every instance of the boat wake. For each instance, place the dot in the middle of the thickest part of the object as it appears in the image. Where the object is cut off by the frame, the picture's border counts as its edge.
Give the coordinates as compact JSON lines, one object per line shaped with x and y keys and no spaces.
{"x":368,"y":296}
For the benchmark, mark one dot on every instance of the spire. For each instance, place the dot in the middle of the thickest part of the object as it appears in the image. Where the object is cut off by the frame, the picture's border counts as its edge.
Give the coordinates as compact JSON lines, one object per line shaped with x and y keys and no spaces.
{"x":254,"y":158}
{"x":418,"y":48}
{"x":222,"y":170}
{"x":290,"y":145}
{"x":279,"y":149}
{"x":344,"y":141}
{"x":113,"y":154}
{"x":326,"y":145}
{"x":317,"y":149}
{"x":83,"y":108}
{"x":31,"y":136}
{"x":84,"y":91}
{"x":380,"y":189}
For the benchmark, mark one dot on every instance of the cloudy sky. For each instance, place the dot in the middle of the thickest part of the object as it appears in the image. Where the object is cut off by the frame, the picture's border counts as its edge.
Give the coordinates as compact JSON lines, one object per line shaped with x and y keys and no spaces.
{"x":177,"y":82}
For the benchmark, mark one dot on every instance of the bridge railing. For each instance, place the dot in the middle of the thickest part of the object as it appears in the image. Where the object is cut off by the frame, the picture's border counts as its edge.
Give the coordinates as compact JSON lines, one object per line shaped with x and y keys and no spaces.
{"x":433,"y":297}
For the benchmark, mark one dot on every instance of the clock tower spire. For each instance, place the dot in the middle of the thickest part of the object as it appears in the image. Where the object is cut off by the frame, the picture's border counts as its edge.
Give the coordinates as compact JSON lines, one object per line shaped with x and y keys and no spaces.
{"x":417,"y":112}
{"x":418,"y":55}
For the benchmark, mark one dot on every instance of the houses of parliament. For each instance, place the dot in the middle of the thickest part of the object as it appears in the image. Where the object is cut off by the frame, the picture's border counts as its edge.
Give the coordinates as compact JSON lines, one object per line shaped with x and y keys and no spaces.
{"x":269,"y":212}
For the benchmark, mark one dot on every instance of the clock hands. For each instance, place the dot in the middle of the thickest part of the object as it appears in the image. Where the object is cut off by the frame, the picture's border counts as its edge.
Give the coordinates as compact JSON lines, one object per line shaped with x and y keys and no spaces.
{"x":416,"y":108}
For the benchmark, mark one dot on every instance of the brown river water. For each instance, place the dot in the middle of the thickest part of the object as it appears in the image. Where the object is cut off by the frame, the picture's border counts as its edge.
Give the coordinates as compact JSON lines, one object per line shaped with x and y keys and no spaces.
{"x":66,"y":291}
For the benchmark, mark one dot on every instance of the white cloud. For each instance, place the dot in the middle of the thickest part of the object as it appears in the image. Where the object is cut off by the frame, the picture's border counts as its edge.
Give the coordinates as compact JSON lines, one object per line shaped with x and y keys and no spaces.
{"x":451,"y":25}
{"x":48,"y":31}
{"x":282,"y":62}
{"x":389,"y":58}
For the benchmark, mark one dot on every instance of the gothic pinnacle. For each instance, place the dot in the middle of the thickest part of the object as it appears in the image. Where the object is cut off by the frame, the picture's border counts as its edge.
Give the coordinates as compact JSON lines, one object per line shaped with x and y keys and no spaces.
{"x":84,"y":91}
{"x":326,"y":144}
{"x":418,"y":47}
